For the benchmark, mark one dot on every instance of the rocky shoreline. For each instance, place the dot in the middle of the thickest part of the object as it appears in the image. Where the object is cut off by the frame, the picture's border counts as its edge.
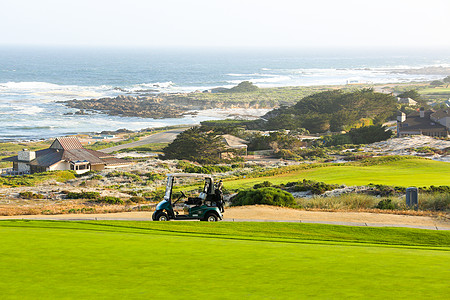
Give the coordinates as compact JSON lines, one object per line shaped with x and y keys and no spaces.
{"x":157,"y":107}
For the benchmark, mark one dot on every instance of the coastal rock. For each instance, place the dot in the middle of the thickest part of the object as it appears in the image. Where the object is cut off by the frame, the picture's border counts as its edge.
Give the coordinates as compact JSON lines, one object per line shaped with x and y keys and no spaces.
{"x":157,"y":107}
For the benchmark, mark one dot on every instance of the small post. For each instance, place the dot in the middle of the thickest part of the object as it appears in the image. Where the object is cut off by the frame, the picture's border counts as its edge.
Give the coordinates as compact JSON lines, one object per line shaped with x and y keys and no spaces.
{"x":412,"y":197}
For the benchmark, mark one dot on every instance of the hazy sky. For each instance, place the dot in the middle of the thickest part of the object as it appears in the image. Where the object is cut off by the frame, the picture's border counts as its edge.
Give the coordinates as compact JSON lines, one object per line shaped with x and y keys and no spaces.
{"x":233,"y":23}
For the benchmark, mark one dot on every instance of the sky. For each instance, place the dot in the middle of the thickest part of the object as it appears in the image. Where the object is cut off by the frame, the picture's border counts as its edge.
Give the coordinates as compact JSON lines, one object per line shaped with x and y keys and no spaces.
{"x":228,"y":23}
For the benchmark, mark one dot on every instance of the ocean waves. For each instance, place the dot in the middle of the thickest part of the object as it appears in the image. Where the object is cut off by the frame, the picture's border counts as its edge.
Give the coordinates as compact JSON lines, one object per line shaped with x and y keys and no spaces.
{"x":32,"y":85}
{"x":327,"y":76}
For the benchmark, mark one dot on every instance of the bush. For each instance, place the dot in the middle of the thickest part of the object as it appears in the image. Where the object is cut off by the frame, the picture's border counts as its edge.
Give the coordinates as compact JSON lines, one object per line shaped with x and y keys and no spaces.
{"x":343,"y":201}
{"x":110,"y":200}
{"x":357,"y":136}
{"x":262,"y":185}
{"x":436,"y":83}
{"x":386,"y":204}
{"x":266,"y":195}
{"x":82,"y":195}
{"x":208,"y":169}
{"x":124,"y":174}
{"x":436,"y":189}
{"x":435,"y":202}
{"x":385,"y":190}
{"x":315,"y":187}
{"x":154,"y":176}
{"x":30,"y":195}
{"x":137,"y":199}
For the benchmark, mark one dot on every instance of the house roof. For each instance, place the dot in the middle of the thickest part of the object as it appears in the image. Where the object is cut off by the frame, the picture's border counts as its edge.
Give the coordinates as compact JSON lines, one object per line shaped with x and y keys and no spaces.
{"x":47,"y":157}
{"x":233,"y":141}
{"x":442,"y":113}
{"x":415,"y":122}
{"x":66,"y":143}
{"x":68,"y":149}
{"x":407,"y":101}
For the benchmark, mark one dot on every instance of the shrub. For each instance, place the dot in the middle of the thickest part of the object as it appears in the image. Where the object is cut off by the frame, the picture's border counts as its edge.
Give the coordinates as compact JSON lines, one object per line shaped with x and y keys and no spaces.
{"x":207,"y":169}
{"x":124,"y":174}
{"x":110,"y":200}
{"x":436,"y":202}
{"x":30,"y":195}
{"x":262,"y":184}
{"x":385,"y":190}
{"x":266,"y":195}
{"x":343,"y":201}
{"x":386,"y":204}
{"x":315,"y":187}
{"x":137,"y":199}
{"x":154,"y":176}
{"x":82,"y":195}
{"x":436,"y":189}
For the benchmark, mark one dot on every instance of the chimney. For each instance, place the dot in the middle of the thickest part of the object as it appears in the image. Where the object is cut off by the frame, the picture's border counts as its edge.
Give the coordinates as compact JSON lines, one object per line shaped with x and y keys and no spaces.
{"x":422,"y":112}
{"x":26,"y":155}
{"x":401,"y":117}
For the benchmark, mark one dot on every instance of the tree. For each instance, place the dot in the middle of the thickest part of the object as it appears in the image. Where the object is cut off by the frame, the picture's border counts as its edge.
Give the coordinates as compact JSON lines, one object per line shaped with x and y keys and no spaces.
{"x":198,"y":145}
{"x":446,"y":80}
{"x":369,"y":134}
{"x":362,"y":135}
{"x":244,"y":86}
{"x":436,"y":83}
{"x":413,"y":94}
{"x":333,"y":110}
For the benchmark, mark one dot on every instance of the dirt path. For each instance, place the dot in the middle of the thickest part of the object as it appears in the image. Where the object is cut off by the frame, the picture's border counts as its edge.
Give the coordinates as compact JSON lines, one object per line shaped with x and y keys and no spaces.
{"x":275,"y":214}
{"x":160,"y":137}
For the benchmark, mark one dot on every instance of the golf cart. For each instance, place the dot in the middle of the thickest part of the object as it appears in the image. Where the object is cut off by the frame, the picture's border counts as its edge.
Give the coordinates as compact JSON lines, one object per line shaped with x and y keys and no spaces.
{"x":207,"y":206}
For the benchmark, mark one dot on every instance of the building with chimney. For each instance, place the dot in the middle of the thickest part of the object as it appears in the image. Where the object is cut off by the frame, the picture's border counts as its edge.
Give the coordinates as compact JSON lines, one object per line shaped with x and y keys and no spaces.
{"x":65,"y":153}
{"x":423,"y":122}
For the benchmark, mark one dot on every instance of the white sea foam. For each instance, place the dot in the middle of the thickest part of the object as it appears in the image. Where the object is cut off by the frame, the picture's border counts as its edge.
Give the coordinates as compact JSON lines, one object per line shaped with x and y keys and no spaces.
{"x":45,"y":91}
{"x":328,"y":76}
{"x":27,"y":85}
{"x":157,"y":86}
{"x":27,"y":109}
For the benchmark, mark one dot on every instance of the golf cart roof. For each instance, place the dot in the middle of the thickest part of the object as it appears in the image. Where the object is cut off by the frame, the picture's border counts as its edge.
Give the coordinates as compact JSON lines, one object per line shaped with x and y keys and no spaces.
{"x":189,"y":175}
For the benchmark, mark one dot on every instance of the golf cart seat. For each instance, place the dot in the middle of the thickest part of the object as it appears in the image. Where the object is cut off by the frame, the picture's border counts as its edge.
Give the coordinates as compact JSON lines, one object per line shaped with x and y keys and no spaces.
{"x":194,"y":201}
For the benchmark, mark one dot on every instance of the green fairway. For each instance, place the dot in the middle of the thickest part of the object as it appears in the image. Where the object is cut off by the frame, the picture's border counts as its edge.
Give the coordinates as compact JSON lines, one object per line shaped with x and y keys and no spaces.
{"x":435,"y":91}
{"x":196,"y":260}
{"x":404,"y":172}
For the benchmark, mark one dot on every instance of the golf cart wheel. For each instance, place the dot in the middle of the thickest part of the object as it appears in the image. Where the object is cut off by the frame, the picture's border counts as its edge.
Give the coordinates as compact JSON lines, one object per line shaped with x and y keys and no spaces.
{"x":162,"y":217}
{"x":211,"y":218}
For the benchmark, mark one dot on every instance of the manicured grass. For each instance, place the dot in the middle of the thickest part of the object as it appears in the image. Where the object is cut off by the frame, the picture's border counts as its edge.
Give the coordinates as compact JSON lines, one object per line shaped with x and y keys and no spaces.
{"x":435,"y":91}
{"x":404,"y":172}
{"x":195,"y":260}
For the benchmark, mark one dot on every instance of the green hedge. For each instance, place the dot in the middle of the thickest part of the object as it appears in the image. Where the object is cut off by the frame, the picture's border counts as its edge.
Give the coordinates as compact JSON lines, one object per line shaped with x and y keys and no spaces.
{"x":265,"y":195}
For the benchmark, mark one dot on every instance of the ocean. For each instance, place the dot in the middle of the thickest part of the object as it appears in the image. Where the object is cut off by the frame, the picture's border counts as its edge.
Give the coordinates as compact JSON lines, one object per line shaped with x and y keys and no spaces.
{"x":32,"y":80}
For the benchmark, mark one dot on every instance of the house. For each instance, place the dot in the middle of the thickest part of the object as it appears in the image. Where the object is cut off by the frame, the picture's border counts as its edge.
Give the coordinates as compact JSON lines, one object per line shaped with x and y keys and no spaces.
{"x":65,"y":153}
{"x":442,"y":117}
{"x":422,"y":123}
{"x":238,"y":145}
{"x":407,"y":101}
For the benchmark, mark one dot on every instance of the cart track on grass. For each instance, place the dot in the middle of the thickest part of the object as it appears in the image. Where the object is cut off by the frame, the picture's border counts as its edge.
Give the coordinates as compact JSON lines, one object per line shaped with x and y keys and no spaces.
{"x":160,"y":137}
{"x":261,"y":213}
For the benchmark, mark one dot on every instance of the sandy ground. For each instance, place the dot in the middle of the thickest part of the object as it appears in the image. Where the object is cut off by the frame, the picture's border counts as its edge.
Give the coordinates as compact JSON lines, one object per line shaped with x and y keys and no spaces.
{"x":404,"y":146}
{"x":277,"y":214}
